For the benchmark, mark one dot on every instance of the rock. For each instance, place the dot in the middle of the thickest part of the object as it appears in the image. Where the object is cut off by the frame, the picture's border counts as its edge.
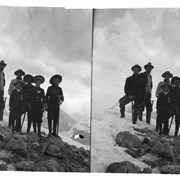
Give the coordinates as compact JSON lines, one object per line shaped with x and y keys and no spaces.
{"x":24,"y":165}
{"x":82,"y":170}
{"x":3,"y":167}
{"x":163,"y":150}
{"x":34,"y":156}
{"x":170,"y":169}
{"x":128,"y":140}
{"x":146,"y":147}
{"x":32,"y":137}
{"x":55,"y":146}
{"x":1,"y":145}
{"x":131,"y":152}
{"x":123,"y":167}
{"x":49,"y":165}
{"x":147,"y":171}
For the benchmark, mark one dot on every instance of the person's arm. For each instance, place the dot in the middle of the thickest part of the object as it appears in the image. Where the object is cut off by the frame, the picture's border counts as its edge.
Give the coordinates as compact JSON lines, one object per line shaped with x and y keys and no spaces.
{"x":158,"y":89}
{"x":11,"y":87}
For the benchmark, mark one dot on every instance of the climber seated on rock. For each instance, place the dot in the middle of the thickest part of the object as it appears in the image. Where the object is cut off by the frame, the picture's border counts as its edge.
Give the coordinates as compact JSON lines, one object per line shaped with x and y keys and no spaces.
{"x":134,"y":90}
{"x":17,"y":105}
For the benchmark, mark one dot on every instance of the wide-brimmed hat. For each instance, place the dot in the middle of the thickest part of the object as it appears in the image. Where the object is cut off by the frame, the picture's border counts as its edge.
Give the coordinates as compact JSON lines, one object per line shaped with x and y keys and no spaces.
{"x":19,"y":71}
{"x":18,"y":81}
{"x":40,"y":78}
{"x":175,"y":78}
{"x":167,"y":73}
{"x":148,"y":65}
{"x":28,"y":76}
{"x":165,"y":84}
{"x":136,"y":66}
{"x":3,"y":63}
{"x":54,"y":77}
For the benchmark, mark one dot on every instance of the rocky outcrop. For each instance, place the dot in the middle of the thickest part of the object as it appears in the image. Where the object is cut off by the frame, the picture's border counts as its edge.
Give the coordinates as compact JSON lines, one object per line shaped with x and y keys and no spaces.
{"x":27,"y":152}
{"x":159,"y":152}
{"x":128,"y":140}
{"x":123,"y":167}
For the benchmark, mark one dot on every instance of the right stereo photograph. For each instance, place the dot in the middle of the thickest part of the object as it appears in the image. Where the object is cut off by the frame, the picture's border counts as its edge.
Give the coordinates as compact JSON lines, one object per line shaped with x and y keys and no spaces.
{"x":136,"y":91}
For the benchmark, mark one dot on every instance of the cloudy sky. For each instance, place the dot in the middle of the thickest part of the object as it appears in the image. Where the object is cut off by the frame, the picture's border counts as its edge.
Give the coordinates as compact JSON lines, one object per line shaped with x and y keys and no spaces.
{"x":124,"y":37}
{"x":50,"y":41}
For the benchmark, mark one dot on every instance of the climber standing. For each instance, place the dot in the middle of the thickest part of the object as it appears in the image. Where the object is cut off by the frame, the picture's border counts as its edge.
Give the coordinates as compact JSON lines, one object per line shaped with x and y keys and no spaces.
{"x":54,"y":98}
{"x":164,"y":108}
{"x":167,"y":76}
{"x":2,"y":85}
{"x":36,"y":103}
{"x":19,"y":73}
{"x":148,"y":84}
{"x":28,"y":80}
{"x":17,"y":105}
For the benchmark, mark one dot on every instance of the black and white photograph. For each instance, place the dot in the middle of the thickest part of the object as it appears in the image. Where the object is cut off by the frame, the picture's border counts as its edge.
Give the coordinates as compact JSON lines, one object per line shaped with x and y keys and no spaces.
{"x":45,"y":88}
{"x":135,"y":93}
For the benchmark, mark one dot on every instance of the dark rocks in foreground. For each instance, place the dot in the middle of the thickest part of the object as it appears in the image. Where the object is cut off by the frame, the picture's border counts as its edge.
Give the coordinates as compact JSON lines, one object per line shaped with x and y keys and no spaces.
{"x":27,"y":152}
{"x":164,"y":150}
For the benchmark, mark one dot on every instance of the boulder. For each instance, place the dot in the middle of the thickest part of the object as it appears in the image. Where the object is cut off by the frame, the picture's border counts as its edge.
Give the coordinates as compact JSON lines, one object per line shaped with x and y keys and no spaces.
{"x":123,"y":167}
{"x":48,"y":165}
{"x":24,"y":165}
{"x":170,"y":169}
{"x":3,"y":167}
{"x":128,"y":140}
{"x":147,"y":171}
{"x":164,"y":150}
{"x":55,"y":146}
{"x":32,"y":137}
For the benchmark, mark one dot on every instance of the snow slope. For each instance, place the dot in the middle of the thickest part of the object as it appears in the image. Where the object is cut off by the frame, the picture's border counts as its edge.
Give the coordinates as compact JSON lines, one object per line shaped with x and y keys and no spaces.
{"x":105,"y":126}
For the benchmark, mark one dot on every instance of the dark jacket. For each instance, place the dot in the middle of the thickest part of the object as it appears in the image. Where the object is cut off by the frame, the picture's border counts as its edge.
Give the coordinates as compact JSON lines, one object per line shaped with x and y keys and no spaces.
{"x":164,"y":102}
{"x":37,"y":95}
{"x":134,"y":86}
{"x":144,"y":77}
{"x":27,"y":89}
{"x":175,"y":91}
{"x":54,"y":94}
{"x":17,"y":99}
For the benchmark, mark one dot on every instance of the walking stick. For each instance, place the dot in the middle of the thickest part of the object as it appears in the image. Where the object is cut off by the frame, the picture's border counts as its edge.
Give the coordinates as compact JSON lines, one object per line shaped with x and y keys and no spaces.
{"x":57,"y":127}
{"x":132,"y":110}
{"x":170,"y":123}
{"x":23,"y":120}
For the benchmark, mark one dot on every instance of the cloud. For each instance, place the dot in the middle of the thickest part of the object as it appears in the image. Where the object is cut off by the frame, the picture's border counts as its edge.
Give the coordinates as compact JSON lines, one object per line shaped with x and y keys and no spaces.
{"x":137,"y":37}
{"x":50,"y":41}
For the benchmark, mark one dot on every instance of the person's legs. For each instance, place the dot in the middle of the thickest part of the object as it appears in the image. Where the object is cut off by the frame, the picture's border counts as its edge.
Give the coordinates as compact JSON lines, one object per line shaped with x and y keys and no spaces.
{"x":1,"y":104}
{"x":148,"y":106}
{"x":56,"y":119}
{"x":177,"y":123}
{"x":122,"y":103}
{"x":166,"y":122}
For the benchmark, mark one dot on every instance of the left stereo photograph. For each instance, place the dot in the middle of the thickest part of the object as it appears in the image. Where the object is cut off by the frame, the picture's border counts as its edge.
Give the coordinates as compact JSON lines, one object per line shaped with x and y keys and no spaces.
{"x":45,"y":89}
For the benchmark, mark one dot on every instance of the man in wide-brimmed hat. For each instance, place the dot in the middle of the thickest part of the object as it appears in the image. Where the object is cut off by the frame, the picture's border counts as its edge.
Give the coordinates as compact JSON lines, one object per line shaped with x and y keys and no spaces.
{"x":54,"y":98}
{"x":17,"y":105}
{"x":18,"y":73}
{"x":164,"y":108}
{"x":36,"y":103}
{"x":2,"y":85}
{"x":175,"y":91}
{"x":133,"y":92}
{"x":148,"y":84}
{"x":28,"y":79}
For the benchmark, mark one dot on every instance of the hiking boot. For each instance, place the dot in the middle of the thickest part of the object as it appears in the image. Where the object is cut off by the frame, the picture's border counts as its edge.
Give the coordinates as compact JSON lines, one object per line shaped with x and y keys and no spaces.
{"x":122,"y":114}
{"x":55,"y":135}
